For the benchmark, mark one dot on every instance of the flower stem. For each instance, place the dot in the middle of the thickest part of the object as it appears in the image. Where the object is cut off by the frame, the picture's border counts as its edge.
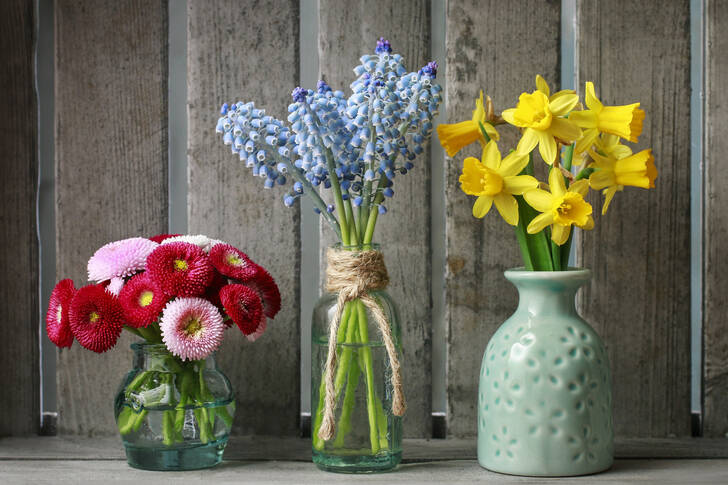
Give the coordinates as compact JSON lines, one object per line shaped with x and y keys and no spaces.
{"x":369,"y":370}
{"x":538,"y":250}
{"x":338,"y":200}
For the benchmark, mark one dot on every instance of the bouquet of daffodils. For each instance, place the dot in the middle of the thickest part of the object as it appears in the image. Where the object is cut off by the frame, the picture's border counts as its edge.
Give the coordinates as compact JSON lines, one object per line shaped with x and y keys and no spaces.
{"x":355,"y":147}
{"x":181,"y":292}
{"x":566,"y":135}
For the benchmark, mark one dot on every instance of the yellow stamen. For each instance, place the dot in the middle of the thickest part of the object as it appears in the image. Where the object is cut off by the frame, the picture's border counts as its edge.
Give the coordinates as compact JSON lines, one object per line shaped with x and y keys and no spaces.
{"x":193,"y":327}
{"x":145,"y":299}
{"x":180,"y":265}
{"x":235,"y":260}
{"x":93,"y":317}
{"x":59,"y":314}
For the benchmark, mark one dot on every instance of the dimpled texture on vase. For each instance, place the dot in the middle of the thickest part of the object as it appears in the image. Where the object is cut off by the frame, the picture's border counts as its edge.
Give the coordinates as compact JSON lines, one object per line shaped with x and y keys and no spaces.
{"x":545,"y":399}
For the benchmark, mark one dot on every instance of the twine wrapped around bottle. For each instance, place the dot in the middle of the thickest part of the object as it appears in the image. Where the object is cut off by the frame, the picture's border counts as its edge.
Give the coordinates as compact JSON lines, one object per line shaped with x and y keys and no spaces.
{"x":353,"y":274}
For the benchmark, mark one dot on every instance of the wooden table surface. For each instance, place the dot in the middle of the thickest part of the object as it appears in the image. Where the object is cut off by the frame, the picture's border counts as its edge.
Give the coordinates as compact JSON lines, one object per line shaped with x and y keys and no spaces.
{"x":287,"y":460}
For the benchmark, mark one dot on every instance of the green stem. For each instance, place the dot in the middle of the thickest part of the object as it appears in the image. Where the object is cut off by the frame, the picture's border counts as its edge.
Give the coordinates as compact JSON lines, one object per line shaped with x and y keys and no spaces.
{"x":565,"y":249}
{"x":352,"y":382}
{"x":150,"y":334}
{"x":132,"y":330}
{"x":539,"y":250}
{"x":139,"y":419}
{"x":338,"y":200}
{"x":369,"y":370}
{"x":167,"y":428}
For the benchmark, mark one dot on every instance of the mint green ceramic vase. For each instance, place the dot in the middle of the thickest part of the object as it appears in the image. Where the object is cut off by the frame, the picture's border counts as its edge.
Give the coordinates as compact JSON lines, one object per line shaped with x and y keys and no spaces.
{"x":545,"y":397}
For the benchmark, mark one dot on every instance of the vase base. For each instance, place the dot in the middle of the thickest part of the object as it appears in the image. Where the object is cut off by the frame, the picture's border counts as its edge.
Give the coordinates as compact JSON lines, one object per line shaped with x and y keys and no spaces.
{"x":381,"y":462}
{"x":564,"y":472}
{"x":176,"y":459}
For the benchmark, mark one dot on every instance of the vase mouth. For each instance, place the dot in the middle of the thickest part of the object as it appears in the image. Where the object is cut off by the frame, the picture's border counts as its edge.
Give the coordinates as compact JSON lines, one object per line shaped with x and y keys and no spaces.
{"x":148,"y":347}
{"x":357,"y":247}
{"x":573,"y":274}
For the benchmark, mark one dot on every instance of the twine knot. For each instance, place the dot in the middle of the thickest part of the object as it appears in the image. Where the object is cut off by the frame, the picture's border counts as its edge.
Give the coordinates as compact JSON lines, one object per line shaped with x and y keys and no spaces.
{"x":353,"y":274}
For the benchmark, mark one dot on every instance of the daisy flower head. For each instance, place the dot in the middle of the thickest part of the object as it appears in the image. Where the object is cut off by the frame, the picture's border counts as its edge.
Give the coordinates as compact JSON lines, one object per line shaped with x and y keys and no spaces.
{"x":243,"y":306}
{"x":192,"y":328}
{"x":233,"y":263}
{"x":180,"y":269}
{"x":115,"y":285}
{"x":57,"y":323}
{"x":267,"y":290}
{"x":161,"y":237}
{"x":203,"y":242}
{"x":96,"y":318}
{"x":142,"y":300}
{"x":120,"y":259}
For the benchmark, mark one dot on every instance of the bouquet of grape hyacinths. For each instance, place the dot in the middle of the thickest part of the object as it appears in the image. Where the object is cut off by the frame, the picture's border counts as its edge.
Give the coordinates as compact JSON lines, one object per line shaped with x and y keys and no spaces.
{"x":355,"y":147}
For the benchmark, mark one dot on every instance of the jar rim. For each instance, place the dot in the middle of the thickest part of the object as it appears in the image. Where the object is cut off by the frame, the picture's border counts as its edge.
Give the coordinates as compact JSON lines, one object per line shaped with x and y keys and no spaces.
{"x":357,"y":247}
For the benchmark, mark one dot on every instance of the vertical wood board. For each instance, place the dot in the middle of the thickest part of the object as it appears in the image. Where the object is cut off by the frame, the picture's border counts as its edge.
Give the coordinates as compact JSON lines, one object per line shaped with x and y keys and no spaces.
{"x":19,"y":380}
{"x":639,"y":252}
{"x":111,"y":168}
{"x":246,"y":53}
{"x":346,"y":33}
{"x":498,"y":47}
{"x":715,"y":229}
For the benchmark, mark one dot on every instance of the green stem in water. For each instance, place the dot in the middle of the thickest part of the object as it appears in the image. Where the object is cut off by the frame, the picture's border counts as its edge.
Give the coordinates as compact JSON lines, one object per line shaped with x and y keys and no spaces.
{"x":347,"y":407}
{"x":369,"y":370}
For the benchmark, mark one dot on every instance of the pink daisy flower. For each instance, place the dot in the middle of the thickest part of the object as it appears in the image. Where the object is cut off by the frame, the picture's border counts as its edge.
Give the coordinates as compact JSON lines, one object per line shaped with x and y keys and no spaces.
{"x":232,"y":262}
{"x":120,"y":259}
{"x":115,"y":285}
{"x":258,"y":331}
{"x":180,"y":269}
{"x":192,"y":328}
{"x":243,"y":306}
{"x":58,"y":326}
{"x":142,"y":300}
{"x":96,"y":318}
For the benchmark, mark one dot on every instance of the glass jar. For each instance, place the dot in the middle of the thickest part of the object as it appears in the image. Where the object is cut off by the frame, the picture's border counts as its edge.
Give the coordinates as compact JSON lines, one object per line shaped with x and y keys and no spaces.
{"x":368,"y":436}
{"x":173,"y":414}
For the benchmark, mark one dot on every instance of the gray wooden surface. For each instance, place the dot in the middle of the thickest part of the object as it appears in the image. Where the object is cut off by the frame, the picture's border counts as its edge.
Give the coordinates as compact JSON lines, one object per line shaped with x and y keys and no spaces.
{"x":715,"y":232}
{"x":111,"y":168}
{"x":266,"y":460}
{"x":639,"y":298}
{"x":348,"y":30}
{"x":19,"y":258}
{"x":498,"y":47}
{"x":247,"y":53}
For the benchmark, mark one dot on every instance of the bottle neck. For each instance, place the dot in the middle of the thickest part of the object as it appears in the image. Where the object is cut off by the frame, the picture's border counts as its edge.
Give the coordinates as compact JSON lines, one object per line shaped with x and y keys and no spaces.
{"x":156,"y":357}
{"x":542,"y":293}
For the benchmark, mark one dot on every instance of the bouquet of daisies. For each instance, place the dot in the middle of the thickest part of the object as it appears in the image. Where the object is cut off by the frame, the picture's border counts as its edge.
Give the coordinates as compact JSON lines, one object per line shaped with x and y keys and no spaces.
{"x":179,"y":292}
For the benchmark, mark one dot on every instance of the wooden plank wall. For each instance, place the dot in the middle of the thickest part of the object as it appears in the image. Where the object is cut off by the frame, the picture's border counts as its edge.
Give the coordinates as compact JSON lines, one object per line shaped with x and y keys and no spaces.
{"x":19,"y":258}
{"x":248,"y":54}
{"x":348,"y":31}
{"x":498,"y":47}
{"x":639,"y":298}
{"x":111,"y":168}
{"x":715,"y":234}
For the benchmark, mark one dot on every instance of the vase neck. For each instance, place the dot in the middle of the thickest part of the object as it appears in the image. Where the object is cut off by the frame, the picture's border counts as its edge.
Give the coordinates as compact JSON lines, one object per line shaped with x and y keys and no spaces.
{"x":156,"y":357}
{"x":547,"y":292}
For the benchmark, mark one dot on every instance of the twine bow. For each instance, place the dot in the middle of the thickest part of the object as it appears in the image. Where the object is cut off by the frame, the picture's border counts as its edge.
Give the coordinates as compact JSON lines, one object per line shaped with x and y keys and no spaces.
{"x":352,"y":275}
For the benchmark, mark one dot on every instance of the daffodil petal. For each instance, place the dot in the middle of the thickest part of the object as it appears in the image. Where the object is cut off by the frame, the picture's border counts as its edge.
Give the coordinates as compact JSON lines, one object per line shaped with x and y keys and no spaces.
{"x":508,"y":207}
{"x":482,"y":206}
{"x":491,"y":131}
{"x":564,"y":129}
{"x":556,"y":182}
{"x":513,"y":164}
{"x":563,"y":104}
{"x":592,"y":102}
{"x":601,"y":179}
{"x":588,"y":137}
{"x":539,"y":222}
{"x":508,"y":115}
{"x":542,"y":85}
{"x":581,"y":187}
{"x":546,"y":146}
{"x":519,"y":184}
{"x":608,"y":196}
{"x":539,"y":199}
{"x":528,"y":141}
{"x":491,"y":156}
{"x":584,"y":119}
{"x":479,"y":111}
{"x":559,"y":233}
{"x":589,"y":224}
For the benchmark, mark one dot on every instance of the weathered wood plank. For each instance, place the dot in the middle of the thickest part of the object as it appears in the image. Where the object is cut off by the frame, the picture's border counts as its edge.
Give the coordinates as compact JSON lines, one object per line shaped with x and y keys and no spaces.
{"x":639,"y":299}
{"x":19,"y":257}
{"x":715,"y":230}
{"x":498,"y":47}
{"x":111,"y":168}
{"x":346,"y":32}
{"x":248,"y":53}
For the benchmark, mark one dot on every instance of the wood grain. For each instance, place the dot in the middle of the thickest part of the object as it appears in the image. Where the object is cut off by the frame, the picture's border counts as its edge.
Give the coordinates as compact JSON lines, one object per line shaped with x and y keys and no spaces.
{"x":346,"y":32}
{"x":498,"y":47}
{"x":111,"y":168}
{"x":639,"y":299}
{"x":715,"y":220}
{"x":19,"y":379}
{"x":248,"y":53}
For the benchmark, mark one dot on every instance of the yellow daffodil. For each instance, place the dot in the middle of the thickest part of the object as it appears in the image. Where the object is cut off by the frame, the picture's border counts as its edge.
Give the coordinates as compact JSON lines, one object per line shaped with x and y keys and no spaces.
{"x":453,"y":137}
{"x":496,"y":181}
{"x":560,"y":208}
{"x":624,"y":121}
{"x":542,"y":118}
{"x":614,"y":174}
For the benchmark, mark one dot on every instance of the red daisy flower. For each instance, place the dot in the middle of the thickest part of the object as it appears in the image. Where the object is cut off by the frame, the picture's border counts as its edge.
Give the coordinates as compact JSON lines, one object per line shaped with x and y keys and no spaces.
{"x":213,"y":291}
{"x":180,"y":269}
{"x":161,"y":237}
{"x":232,"y":262}
{"x":57,"y":326}
{"x":142,"y":300}
{"x":96,"y":318}
{"x":268,"y":291}
{"x":243,"y":306}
